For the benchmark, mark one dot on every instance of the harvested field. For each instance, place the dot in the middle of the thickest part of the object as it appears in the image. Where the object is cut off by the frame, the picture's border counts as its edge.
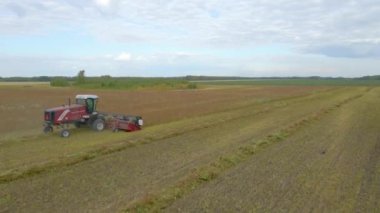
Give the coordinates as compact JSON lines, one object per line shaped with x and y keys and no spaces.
{"x":24,"y":154}
{"x":225,"y":149}
{"x":332,"y":165}
{"x":21,"y":107}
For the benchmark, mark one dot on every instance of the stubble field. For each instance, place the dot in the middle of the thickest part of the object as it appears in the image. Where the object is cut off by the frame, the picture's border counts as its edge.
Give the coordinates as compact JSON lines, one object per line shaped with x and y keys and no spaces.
{"x":220,"y":149}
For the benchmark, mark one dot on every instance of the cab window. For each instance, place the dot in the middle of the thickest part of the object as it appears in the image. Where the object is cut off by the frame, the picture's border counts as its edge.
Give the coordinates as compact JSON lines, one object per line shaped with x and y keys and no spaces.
{"x":81,"y":101}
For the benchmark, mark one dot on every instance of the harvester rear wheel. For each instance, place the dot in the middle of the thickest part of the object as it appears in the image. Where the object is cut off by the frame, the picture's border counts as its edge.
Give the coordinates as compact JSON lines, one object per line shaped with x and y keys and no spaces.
{"x":98,"y":125}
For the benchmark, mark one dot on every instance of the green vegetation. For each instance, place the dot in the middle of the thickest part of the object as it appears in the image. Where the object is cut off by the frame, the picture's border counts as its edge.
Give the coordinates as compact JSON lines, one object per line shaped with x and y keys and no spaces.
{"x":107,"y":82}
{"x":294,"y":81}
{"x":81,"y":79}
{"x":192,"y":85}
{"x":26,"y":79}
{"x":192,"y":82}
{"x":125,"y":83}
{"x":59,"y":82}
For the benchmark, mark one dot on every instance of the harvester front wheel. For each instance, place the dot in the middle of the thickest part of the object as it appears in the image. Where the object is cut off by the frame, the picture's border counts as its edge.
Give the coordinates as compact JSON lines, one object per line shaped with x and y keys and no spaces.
{"x":98,"y":125}
{"x":65,"y":133}
{"x":48,"y":129}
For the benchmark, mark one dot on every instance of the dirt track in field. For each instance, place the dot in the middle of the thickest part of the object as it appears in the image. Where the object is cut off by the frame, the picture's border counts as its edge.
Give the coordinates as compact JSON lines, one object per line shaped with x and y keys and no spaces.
{"x":111,"y":182}
{"x":330,"y":166}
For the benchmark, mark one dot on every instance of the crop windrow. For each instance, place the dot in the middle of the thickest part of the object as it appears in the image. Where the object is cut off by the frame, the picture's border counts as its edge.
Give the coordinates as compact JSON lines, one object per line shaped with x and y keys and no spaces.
{"x":202,"y":175}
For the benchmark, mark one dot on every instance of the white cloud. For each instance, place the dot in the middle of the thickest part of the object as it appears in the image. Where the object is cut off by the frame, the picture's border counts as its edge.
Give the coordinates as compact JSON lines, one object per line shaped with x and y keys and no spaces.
{"x":334,"y":29}
{"x":346,"y":50}
{"x":103,"y":3}
{"x":108,"y":56}
{"x":203,"y":23}
{"x":124,"y":57}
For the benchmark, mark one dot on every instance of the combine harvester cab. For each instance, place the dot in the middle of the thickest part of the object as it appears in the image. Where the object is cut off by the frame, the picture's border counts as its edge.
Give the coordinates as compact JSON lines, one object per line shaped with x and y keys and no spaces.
{"x":83,"y":112}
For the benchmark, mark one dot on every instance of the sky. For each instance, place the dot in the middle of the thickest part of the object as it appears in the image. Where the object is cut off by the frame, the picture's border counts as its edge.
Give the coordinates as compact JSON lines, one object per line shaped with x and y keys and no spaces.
{"x":253,"y":38}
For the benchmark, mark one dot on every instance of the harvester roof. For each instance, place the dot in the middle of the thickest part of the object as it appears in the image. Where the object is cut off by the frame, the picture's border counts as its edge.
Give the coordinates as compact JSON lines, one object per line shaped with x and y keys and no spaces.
{"x":86,"y":96}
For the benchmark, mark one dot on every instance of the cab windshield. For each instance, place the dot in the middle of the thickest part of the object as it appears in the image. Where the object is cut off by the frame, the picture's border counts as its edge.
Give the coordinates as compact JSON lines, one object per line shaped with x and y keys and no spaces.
{"x":81,"y":101}
{"x":89,"y":103}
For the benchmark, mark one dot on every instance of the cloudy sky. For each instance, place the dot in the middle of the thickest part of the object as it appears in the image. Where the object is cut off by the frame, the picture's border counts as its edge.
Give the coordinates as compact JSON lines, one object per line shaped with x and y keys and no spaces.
{"x":190,"y":37}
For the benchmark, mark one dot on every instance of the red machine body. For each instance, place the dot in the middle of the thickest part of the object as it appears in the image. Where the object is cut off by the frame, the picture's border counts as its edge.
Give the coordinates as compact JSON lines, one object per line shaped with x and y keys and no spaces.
{"x":82,"y":112}
{"x":66,"y":114}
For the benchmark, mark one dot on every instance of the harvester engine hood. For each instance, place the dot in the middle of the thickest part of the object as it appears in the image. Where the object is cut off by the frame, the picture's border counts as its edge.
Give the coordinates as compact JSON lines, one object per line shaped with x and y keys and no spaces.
{"x":62,"y":114}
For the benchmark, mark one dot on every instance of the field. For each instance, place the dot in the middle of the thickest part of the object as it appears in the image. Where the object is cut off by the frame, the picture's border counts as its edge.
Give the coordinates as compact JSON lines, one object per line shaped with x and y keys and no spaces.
{"x":220,"y":148}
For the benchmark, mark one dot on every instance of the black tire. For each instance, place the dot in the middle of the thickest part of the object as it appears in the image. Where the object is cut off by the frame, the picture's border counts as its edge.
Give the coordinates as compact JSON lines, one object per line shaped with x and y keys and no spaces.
{"x":98,"y":125}
{"x":48,"y":129}
{"x":65,"y":133}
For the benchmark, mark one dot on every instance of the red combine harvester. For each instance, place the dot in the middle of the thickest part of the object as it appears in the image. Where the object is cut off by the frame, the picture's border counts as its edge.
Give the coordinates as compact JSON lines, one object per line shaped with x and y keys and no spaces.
{"x":83,"y":112}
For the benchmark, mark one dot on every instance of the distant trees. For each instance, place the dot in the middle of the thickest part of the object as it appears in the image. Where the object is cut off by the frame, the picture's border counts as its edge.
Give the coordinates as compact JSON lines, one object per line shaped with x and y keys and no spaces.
{"x":58,"y":81}
{"x":373,"y":77}
{"x":81,"y":77}
{"x":26,"y":79}
{"x":105,"y":77}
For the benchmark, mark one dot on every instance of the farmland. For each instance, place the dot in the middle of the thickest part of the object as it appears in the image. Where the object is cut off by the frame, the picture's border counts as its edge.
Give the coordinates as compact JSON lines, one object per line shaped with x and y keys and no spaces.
{"x":220,"y":148}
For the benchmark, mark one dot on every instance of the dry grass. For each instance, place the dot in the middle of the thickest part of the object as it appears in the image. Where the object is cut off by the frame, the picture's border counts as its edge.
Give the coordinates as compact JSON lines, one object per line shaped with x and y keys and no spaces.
{"x":216,"y":168}
{"x":332,"y":165}
{"x":111,"y":171}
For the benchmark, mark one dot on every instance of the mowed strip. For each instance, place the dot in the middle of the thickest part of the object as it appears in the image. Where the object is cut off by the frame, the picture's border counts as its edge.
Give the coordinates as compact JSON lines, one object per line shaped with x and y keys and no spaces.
{"x":331,"y":166}
{"x":111,"y":182}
